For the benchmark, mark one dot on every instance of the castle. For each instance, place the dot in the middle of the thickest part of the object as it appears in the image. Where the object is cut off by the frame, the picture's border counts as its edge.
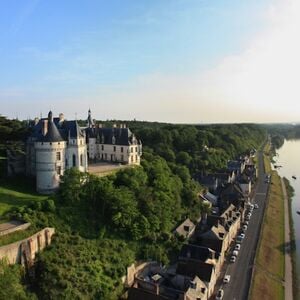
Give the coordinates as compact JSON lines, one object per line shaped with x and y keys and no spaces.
{"x":56,"y":144}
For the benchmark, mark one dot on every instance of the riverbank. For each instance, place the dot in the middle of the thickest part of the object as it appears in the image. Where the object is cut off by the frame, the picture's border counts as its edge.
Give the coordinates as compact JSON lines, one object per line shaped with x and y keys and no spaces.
{"x":269,"y":265}
{"x":290,"y":195}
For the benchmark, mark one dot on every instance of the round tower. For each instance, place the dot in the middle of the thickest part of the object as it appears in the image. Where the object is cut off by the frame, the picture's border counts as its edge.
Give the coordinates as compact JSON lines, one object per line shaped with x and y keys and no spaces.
{"x":50,"y":157}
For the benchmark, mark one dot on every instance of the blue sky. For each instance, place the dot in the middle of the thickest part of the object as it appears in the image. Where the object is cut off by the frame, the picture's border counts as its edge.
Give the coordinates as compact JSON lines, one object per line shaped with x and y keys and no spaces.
{"x":125,"y":59}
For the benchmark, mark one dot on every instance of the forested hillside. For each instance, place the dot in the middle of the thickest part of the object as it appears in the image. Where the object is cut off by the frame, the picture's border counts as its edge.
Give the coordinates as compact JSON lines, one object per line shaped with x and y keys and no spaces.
{"x":105,"y":224}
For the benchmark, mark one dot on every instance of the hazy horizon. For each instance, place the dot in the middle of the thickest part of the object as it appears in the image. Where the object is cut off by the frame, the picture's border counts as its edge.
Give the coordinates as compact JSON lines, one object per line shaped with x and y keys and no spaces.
{"x":177,"y":62}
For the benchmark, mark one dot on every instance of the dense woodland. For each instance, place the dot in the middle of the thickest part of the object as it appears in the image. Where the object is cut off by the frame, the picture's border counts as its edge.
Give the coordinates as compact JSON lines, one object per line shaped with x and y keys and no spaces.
{"x":104,"y":224}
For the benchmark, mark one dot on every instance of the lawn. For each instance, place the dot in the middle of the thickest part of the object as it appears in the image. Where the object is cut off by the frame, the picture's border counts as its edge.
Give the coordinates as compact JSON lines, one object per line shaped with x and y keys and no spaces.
{"x":17,"y":192}
{"x":269,"y":262}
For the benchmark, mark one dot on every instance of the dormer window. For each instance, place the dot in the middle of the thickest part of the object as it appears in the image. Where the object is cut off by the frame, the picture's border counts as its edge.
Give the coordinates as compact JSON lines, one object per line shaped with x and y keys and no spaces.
{"x":113,"y":140}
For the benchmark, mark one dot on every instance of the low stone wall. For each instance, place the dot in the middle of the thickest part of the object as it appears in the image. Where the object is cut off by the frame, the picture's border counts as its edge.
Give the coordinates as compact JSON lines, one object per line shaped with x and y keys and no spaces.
{"x":24,"y":251}
{"x":14,"y":228}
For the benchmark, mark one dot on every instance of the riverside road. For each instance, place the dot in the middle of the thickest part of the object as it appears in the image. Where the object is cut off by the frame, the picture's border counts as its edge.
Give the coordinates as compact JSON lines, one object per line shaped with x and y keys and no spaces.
{"x":241,"y":270}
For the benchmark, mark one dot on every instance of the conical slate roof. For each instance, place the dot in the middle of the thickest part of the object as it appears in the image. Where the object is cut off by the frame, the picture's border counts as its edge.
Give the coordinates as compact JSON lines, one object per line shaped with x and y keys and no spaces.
{"x":53,"y":134}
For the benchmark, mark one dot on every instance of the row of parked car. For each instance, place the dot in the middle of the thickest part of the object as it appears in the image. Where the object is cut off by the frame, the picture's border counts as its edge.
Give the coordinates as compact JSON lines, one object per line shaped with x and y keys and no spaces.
{"x":237,"y":246}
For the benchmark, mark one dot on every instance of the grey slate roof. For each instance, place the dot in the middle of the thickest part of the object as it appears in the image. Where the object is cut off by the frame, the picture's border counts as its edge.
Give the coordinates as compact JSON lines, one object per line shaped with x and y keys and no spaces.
{"x":190,"y":251}
{"x":57,"y":130}
{"x":121,"y":136}
{"x":52,"y":135}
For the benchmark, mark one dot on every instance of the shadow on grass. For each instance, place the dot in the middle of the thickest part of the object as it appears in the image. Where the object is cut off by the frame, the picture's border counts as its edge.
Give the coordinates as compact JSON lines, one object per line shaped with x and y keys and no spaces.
{"x":17,"y":191}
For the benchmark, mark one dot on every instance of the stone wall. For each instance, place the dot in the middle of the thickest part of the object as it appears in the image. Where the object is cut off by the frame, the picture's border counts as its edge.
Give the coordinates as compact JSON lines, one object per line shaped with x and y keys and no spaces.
{"x":24,"y":251}
{"x":13,"y":228}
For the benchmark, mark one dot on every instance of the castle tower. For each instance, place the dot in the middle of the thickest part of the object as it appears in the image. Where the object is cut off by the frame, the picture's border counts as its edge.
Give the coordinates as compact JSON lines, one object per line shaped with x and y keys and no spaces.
{"x":50,"y":151}
{"x":76,"y":154}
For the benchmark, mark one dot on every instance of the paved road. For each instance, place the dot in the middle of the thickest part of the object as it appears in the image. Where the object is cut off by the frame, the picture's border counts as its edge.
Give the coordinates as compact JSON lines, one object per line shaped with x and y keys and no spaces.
{"x":240,"y":271}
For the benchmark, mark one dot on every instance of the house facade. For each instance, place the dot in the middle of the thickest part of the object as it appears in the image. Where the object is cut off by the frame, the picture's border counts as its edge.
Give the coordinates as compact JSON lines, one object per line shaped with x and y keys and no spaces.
{"x":116,"y":144}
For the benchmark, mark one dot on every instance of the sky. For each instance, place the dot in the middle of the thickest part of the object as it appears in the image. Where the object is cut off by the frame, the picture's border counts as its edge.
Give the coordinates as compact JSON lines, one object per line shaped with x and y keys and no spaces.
{"x":181,"y":61}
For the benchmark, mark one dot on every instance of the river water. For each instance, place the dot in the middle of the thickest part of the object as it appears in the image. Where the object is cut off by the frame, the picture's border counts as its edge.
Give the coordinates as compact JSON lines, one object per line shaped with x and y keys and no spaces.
{"x":288,"y":156}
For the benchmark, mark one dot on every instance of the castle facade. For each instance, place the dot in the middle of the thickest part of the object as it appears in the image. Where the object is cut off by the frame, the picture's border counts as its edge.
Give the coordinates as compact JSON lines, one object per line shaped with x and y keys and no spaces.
{"x":56,"y":144}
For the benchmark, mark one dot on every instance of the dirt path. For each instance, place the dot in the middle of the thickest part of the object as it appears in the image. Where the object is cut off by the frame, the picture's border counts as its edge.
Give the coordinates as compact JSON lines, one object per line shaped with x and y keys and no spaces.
{"x":288,"y":285}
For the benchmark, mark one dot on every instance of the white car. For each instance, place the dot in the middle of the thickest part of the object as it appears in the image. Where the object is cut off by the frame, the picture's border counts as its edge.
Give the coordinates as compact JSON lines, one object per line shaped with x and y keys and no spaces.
{"x":237,"y":247}
{"x":226,"y":279}
{"x":232,"y":259}
{"x":245,"y":227}
{"x":220,"y":294}
{"x":256,"y":206}
{"x":246,"y":223}
{"x":235,"y":253}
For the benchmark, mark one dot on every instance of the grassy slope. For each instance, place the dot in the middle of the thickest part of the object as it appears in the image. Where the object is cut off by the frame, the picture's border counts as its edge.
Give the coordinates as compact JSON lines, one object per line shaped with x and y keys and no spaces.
{"x":15,"y":193}
{"x":269,"y":262}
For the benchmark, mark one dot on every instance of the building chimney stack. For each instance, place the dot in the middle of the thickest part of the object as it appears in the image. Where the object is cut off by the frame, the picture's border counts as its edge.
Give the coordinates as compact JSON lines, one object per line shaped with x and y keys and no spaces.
{"x":45,"y":127}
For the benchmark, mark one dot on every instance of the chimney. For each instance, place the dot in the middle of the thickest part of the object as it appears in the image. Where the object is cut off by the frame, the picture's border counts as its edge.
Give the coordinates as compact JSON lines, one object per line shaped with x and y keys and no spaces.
{"x":45,"y":127}
{"x":61,"y":117}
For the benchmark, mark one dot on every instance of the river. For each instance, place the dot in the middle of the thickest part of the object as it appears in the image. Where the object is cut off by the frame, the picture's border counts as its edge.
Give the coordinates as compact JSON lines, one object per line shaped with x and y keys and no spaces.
{"x":288,"y":156}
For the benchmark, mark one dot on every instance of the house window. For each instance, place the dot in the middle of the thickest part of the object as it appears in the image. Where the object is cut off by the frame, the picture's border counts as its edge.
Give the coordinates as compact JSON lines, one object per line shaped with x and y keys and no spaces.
{"x":131,"y":158}
{"x":81,"y":159}
{"x":102,"y":156}
{"x":105,"y":155}
{"x":122,"y":157}
{"x":136,"y":158}
{"x":131,"y":150}
{"x":58,"y":170}
{"x":122,"y":149}
{"x":74,"y":160}
{"x":66,"y":162}
{"x":114,"y":148}
{"x":102,"y":147}
{"x":58,"y":156}
{"x":111,"y":157}
{"x":136,"y":150}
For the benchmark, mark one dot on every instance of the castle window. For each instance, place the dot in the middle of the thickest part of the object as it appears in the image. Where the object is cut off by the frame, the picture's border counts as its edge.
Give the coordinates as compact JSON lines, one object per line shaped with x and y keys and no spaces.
{"x":58,"y":170}
{"x":131,"y":149}
{"x":114,"y":148}
{"x":136,"y":150}
{"x":136,"y":158}
{"x":122,"y":149}
{"x":74,"y":160}
{"x":58,"y":156}
{"x":131,"y":158}
{"x":81,"y":159}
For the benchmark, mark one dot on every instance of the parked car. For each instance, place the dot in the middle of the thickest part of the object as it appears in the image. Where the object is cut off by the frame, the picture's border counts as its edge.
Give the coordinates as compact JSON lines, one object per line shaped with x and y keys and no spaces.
{"x":246,"y":223}
{"x":237,"y":247}
{"x":232,"y":259}
{"x":226,"y":279}
{"x":235,"y":253}
{"x":220,"y":294}
{"x":241,"y":236}
{"x":256,"y":206}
